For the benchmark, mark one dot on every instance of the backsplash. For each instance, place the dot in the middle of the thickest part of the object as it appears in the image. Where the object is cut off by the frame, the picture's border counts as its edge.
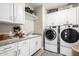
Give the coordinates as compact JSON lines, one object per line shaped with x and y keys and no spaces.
{"x":27,"y":27}
{"x":6,"y":28}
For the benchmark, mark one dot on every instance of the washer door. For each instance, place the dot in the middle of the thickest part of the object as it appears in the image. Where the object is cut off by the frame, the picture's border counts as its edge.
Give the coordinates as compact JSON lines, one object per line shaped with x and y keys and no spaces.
{"x":70,"y":35}
{"x":50,"y":34}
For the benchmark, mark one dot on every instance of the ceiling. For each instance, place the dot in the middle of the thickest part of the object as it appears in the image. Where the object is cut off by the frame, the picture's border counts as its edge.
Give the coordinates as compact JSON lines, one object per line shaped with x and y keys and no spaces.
{"x":54,"y":5}
{"x":48,"y":5}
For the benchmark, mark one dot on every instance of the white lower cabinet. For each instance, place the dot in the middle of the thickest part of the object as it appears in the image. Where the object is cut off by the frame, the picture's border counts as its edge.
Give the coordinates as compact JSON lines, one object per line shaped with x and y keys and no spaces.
{"x":35,"y":45}
{"x":23,"y":48}
{"x":9,"y":50}
{"x":38,"y":43}
{"x":29,"y":47}
{"x":9,"y":53}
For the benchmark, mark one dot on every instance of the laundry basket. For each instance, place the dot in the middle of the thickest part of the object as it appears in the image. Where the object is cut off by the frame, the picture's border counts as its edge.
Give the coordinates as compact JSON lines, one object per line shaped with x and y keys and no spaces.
{"x":75,"y":50}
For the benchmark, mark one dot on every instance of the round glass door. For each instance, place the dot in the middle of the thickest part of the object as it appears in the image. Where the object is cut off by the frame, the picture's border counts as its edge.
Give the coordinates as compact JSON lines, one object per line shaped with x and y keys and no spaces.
{"x":50,"y":34}
{"x":70,"y":35}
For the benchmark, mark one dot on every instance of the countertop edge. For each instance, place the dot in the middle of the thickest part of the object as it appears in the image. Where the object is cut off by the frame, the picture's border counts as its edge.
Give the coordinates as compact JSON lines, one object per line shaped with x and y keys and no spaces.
{"x":17,"y":40}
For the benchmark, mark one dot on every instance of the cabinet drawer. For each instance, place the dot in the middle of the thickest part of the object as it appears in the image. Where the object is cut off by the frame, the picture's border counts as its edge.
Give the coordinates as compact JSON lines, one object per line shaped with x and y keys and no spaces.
{"x":9,"y":53}
{"x":8,"y":47}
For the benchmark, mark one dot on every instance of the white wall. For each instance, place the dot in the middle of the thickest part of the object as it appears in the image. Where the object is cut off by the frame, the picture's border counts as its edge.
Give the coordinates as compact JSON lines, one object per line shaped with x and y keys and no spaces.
{"x":41,"y":12}
{"x":44,"y":14}
{"x":28,"y":26}
{"x":29,"y":22}
{"x":38,"y":22}
{"x":38,"y":25}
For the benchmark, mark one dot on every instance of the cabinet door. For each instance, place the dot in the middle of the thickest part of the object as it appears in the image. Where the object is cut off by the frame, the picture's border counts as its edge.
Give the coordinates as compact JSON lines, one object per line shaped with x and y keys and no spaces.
{"x":50,"y":19}
{"x":33,"y":46}
{"x":71,"y":15}
{"x":9,"y":50}
{"x":9,"y":53}
{"x":6,"y":12}
{"x":38,"y":43}
{"x":19,"y":13}
{"x":23,"y":48}
{"x":60,"y":18}
{"x":77,"y":15}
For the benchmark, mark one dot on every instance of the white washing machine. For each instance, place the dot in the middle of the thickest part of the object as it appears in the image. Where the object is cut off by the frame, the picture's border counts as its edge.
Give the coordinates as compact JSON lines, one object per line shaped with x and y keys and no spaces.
{"x":69,"y":35}
{"x":51,"y":36}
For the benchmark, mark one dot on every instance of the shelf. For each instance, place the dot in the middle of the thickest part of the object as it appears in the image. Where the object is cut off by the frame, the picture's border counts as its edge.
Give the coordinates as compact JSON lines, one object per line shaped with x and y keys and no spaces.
{"x":31,"y":15}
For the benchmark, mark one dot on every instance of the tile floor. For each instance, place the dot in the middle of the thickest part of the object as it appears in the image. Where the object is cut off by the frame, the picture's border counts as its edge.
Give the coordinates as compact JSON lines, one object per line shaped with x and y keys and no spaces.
{"x":46,"y":53}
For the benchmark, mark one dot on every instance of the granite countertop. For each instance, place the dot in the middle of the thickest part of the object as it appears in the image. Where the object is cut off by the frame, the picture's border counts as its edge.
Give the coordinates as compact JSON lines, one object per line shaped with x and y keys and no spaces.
{"x":14,"y":40}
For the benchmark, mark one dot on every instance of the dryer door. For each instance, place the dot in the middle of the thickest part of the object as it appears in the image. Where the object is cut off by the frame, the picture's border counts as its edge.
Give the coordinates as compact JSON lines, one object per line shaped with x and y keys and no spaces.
{"x":50,"y":34}
{"x":70,"y":35}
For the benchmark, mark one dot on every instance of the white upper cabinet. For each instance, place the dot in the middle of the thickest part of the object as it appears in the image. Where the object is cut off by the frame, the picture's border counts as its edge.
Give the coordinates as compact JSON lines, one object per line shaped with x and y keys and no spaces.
{"x":71,"y":15}
{"x":50,"y":19}
{"x":12,"y":13}
{"x":19,"y":13}
{"x":77,"y":15}
{"x":67,"y":16}
{"x":56,"y":18}
{"x":6,"y":12}
{"x":60,"y":18}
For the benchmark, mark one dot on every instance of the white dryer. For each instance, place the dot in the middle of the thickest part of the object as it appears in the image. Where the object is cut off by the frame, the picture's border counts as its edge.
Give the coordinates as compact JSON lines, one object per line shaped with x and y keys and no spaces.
{"x":69,"y":35}
{"x":51,"y":36}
